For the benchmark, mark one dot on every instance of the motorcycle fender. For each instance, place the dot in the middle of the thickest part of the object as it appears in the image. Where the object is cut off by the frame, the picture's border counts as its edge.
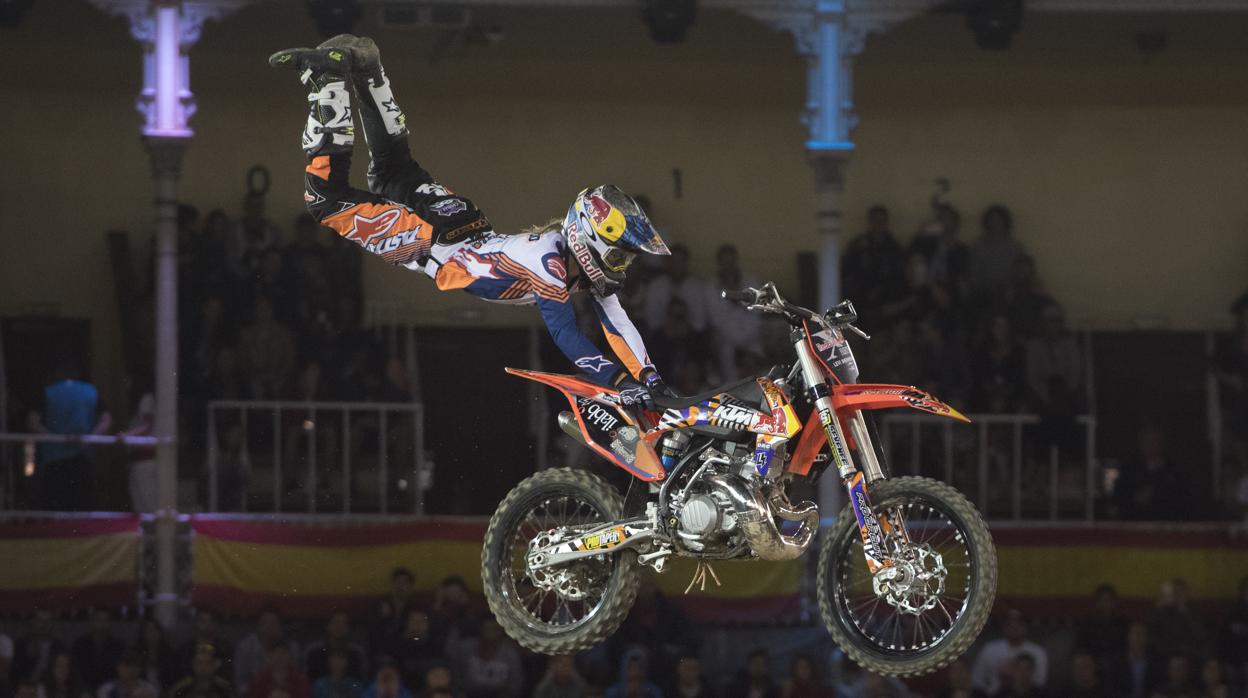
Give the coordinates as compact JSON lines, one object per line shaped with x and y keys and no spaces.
{"x":879,"y":396}
{"x":600,"y":421}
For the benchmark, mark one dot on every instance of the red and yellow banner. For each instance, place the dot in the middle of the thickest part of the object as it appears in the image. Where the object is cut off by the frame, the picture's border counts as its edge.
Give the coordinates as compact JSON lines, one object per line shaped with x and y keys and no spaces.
{"x":69,"y":562}
{"x":308,"y":568}
{"x":1048,"y":567}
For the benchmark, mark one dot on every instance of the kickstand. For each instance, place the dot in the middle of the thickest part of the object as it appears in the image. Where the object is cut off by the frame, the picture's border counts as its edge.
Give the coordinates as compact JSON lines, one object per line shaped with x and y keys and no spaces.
{"x":699,"y":576}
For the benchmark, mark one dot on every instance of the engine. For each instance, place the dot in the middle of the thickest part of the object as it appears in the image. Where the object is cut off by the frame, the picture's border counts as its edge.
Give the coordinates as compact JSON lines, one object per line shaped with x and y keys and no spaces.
{"x":726,"y":510}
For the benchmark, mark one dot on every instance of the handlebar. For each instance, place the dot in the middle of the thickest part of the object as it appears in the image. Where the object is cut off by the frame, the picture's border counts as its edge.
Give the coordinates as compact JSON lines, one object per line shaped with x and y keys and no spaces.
{"x":768,"y":300}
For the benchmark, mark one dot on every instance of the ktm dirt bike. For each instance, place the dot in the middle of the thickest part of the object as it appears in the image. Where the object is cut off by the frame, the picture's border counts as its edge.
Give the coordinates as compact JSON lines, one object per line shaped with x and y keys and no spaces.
{"x":906,"y":575}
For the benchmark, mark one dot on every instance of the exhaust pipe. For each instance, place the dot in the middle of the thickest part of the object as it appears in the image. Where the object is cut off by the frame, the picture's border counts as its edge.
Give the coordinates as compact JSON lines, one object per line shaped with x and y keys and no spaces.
{"x":567,"y":422}
{"x":755,"y":516}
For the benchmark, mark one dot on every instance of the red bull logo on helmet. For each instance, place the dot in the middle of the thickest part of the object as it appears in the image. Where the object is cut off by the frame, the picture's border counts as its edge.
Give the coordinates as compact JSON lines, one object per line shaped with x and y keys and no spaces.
{"x":598,"y":208}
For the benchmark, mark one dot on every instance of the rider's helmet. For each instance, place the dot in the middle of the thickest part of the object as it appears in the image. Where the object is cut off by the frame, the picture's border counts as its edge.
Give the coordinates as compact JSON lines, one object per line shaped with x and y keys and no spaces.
{"x":605,"y":229}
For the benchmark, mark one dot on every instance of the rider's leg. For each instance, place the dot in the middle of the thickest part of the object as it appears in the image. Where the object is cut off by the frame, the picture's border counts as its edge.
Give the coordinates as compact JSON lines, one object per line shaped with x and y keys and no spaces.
{"x":375,"y":222}
{"x":391,"y":171}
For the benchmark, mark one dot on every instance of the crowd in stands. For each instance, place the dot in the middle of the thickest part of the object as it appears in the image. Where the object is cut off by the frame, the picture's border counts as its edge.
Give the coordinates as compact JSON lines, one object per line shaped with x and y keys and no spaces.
{"x":448,"y":647}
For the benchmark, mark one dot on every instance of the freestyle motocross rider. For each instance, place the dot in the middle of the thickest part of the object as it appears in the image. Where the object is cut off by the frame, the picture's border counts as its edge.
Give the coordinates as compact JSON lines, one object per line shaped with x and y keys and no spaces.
{"x":414,"y":222}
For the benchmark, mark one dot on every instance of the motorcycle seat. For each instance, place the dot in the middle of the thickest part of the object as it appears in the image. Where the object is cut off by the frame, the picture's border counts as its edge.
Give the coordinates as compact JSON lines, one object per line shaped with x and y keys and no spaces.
{"x":745,"y":390}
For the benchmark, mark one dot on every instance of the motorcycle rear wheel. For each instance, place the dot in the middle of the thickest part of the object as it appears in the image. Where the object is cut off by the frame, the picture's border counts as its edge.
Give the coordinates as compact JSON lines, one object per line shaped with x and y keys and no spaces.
{"x":863,"y":629}
{"x":517,"y":602}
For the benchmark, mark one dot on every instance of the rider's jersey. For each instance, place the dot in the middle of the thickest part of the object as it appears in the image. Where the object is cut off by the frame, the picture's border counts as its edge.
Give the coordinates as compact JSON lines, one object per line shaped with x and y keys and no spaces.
{"x":530,"y":268}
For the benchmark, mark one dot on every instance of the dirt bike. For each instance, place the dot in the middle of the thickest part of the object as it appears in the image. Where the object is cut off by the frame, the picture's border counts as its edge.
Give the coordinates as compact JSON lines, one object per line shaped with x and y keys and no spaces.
{"x":906,"y":575}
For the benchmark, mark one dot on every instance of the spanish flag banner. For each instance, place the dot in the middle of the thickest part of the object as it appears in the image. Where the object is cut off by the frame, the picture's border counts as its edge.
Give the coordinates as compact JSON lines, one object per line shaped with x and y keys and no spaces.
{"x":69,"y":562}
{"x":309,"y":567}
{"x":1047,"y":567}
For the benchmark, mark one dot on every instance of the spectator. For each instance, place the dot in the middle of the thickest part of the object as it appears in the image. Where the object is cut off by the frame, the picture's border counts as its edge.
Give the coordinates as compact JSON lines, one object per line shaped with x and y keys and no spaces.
{"x":32,"y":656}
{"x":488,"y":665}
{"x":634,"y":679}
{"x":250,"y":237}
{"x":1150,"y":485}
{"x":66,"y":474}
{"x":942,"y":363}
{"x":142,"y":479}
{"x":561,"y":679}
{"x":6,"y":666}
{"x":62,"y":679}
{"x":452,"y":617}
{"x":1234,"y":636}
{"x":1000,"y":368}
{"x":250,"y":655}
{"x":1027,"y":299}
{"x":413,"y":647}
{"x":690,"y":681}
{"x":1230,"y":368}
{"x":873,"y":269}
{"x":992,"y":256}
{"x":1178,"y":683}
{"x":918,"y":299}
{"x":856,"y":682}
{"x":805,"y":680}
{"x":734,"y":328}
{"x":676,"y":344}
{"x":438,"y":680}
{"x":1020,"y":679}
{"x":337,"y":637}
{"x":337,"y":684}
{"x":958,"y":679}
{"x":279,"y":678}
{"x":1084,"y":679}
{"x":995,"y":665}
{"x":754,"y":681}
{"x":947,"y":257}
{"x":1212,"y":680}
{"x":677,"y":283}
{"x":391,"y":614}
{"x":267,"y":352}
{"x":160,"y":663}
{"x":26,"y":689}
{"x":212,"y":334}
{"x":273,"y":282}
{"x":206,"y":636}
{"x":204,"y":681}
{"x":1173,"y":625}
{"x":1055,"y":378}
{"x":97,"y":653}
{"x":208,"y":266}
{"x":1104,"y":633}
{"x":1138,"y":669}
{"x":129,"y":682}
{"x":659,"y":626}
{"x":388,"y":684}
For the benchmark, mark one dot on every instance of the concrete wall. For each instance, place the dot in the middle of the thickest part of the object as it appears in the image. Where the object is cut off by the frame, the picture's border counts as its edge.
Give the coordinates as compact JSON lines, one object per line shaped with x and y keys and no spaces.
{"x":1126,"y":172}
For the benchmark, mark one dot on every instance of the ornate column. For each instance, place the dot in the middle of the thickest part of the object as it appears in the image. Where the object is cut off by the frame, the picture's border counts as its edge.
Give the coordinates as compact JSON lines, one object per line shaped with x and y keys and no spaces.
{"x":167,"y":29}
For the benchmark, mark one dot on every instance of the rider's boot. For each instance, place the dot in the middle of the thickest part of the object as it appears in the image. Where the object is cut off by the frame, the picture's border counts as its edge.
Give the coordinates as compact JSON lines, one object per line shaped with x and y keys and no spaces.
{"x":385,"y":125}
{"x":329,"y":129}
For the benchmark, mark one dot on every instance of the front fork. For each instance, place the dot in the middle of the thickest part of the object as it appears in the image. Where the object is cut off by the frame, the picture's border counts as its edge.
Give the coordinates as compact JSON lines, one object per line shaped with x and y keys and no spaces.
{"x":872,"y":527}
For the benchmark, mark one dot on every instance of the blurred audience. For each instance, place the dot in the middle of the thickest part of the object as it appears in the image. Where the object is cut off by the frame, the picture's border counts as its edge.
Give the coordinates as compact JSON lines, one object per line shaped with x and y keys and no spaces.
{"x":561,"y":679}
{"x":997,"y":666}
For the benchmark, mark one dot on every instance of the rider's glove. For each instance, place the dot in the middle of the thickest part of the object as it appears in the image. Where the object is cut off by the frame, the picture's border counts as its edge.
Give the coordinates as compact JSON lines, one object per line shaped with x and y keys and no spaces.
{"x":633,"y":394}
{"x":656,"y":385}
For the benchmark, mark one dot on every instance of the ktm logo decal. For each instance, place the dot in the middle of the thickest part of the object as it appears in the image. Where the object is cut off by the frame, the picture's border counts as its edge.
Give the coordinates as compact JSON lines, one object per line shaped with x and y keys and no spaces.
{"x":365,"y":229}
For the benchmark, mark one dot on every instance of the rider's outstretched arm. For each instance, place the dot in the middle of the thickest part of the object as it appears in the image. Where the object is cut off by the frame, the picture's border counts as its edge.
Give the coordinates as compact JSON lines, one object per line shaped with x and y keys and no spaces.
{"x":560,"y":317}
{"x":624,"y":338}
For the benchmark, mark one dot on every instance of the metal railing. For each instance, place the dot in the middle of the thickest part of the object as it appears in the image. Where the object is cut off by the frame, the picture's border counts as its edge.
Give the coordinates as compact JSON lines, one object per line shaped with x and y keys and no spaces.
{"x":29,"y":463}
{"x":978,"y":445}
{"x":336,"y":420}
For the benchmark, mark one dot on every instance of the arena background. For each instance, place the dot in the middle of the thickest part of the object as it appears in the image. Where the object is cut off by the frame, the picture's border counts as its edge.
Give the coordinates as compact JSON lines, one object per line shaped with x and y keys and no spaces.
{"x":1124,"y":167}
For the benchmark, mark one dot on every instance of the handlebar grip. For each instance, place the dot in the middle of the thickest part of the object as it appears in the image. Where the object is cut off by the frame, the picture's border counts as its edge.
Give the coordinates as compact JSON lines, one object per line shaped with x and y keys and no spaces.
{"x":747,"y":296}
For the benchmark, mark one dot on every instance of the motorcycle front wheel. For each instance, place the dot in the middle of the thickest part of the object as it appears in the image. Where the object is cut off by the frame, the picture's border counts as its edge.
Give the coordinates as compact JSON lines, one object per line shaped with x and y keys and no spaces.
{"x":928,"y":617}
{"x":566,"y":608}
